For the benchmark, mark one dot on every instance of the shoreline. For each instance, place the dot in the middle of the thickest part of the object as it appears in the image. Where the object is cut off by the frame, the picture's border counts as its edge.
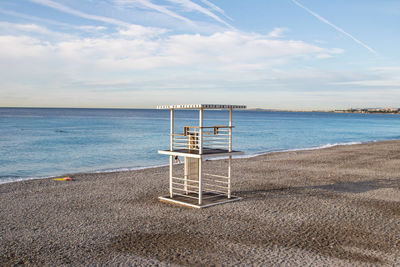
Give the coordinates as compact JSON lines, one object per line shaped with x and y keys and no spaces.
{"x":245,"y":156}
{"x":338,"y":206}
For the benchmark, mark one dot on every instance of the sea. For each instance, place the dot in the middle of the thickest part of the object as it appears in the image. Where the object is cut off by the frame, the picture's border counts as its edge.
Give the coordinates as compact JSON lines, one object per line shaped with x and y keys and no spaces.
{"x":47,"y":142}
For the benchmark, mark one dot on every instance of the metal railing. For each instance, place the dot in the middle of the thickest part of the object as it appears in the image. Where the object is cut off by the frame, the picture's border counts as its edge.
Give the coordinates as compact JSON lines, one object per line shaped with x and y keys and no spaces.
{"x":218,"y":185}
{"x":196,"y":138}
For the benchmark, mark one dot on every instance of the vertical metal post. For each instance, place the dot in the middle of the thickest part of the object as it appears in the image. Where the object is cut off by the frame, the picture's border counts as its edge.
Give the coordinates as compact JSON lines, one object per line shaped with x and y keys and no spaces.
{"x":172,"y":130}
{"x":230,"y":150}
{"x":171,"y":157}
{"x":230,"y":130}
{"x":201,"y":131}
{"x":200,"y":153}
{"x":229,"y":176}
{"x":171,"y":168}
{"x":186,"y":173}
{"x":200,"y":189}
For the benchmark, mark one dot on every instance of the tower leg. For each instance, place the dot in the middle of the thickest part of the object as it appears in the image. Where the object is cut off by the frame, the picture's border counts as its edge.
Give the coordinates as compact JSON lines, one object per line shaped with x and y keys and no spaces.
{"x":229,"y":176}
{"x":200,"y":189}
{"x":171,"y":168}
{"x":186,"y":173}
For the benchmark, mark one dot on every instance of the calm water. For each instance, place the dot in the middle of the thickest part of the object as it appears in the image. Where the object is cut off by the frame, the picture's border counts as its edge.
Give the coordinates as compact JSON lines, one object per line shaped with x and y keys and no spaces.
{"x":49,"y":142}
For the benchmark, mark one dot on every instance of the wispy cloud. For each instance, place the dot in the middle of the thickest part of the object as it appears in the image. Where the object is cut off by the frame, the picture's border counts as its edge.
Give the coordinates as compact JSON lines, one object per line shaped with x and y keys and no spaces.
{"x":29,"y":17}
{"x":215,"y":8}
{"x":334,"y":26}
{"x":30,"y":29}
{"x":65,"y":9}
{"x":196,"y":7}
{"x":88,"y":28}
{"x":24,"y":27}
{"x":187,"y":5}
{"x":149,"y":5}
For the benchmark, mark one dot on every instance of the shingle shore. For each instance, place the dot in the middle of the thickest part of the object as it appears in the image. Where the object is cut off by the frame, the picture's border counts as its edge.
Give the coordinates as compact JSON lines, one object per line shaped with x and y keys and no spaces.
{"x":337,"y":206}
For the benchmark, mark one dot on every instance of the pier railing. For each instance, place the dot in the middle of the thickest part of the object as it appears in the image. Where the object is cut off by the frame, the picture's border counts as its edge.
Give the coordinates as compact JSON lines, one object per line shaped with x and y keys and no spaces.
{"x":203,"y":139}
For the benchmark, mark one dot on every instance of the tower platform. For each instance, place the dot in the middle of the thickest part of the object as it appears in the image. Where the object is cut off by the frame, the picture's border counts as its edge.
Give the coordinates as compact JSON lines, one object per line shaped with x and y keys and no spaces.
{"x":207,"y":153}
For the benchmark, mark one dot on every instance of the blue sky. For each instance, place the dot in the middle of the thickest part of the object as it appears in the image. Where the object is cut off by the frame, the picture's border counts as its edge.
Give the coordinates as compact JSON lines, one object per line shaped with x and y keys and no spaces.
{"x":282,"y":54}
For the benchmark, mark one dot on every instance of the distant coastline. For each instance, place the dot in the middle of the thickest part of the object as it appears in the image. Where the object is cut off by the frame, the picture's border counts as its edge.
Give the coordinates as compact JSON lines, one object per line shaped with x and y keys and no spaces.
{"x":370,"y":110}
{"x":351,"y":110}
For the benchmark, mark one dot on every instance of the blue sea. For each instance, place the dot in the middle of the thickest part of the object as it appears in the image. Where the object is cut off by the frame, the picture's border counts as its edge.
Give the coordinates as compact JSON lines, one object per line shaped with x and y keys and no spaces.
{"x":44,"y":142}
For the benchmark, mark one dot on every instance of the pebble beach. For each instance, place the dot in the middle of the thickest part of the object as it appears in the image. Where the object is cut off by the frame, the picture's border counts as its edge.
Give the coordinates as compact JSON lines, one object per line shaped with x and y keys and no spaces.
{"x":337,"y":206}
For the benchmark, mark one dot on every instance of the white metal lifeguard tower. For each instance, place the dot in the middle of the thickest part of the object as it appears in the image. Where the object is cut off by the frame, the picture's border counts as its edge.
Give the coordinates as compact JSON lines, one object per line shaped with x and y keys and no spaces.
{"x":195,"y":188}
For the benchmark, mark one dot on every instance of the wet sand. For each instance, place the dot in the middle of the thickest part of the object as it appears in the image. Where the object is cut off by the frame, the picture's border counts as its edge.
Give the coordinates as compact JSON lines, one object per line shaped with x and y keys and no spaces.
{"x":330,"y":207}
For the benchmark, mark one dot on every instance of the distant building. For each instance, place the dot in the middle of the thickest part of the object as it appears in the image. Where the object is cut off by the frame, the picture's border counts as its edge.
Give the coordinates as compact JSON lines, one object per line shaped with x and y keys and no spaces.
{"x":369,"y":110}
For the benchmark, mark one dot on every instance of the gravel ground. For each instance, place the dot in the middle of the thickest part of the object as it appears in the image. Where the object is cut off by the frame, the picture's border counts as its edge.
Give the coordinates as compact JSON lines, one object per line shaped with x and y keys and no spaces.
{"x":338,"y":206}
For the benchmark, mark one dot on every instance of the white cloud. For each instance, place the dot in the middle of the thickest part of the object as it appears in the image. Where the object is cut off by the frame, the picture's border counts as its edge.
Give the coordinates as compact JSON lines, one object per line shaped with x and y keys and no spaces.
{"x":140,"y":31}
{"x":142,"y":59}
{"x":115,"y":71}
{"x":21,"y":48}
{"x":91,"y":28}
{"x":235,"y":50}
{"x":132,"y":65}
{"x":383,"y":77}
{"x":137,"y":64}
{"x":16,"y":27}
{"x":34,"y":30}
{"x":215,"y":51}
{"x":374,"y":83}
{"x":277,"y":32}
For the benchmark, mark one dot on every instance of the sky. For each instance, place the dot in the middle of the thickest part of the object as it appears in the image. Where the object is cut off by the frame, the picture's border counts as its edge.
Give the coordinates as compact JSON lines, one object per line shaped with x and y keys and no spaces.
{"x":273,"y":54}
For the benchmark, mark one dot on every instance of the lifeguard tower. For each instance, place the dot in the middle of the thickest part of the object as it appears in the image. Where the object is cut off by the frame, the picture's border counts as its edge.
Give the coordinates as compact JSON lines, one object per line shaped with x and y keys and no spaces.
{"x":194,"y":187}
